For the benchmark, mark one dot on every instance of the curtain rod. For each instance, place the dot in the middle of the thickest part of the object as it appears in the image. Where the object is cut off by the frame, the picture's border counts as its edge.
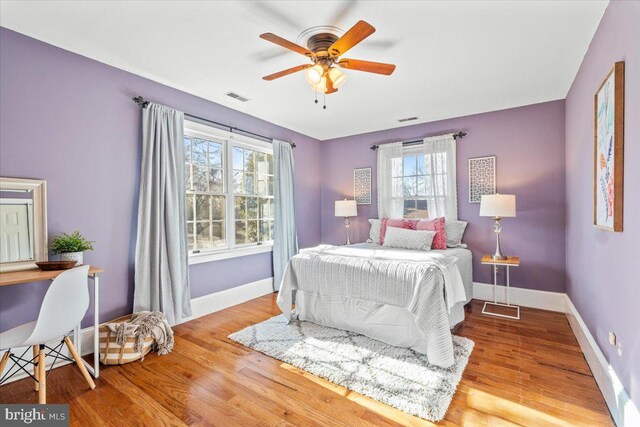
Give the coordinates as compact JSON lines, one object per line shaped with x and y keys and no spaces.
{"x":143,"y":103}
{"x":456,"y":136}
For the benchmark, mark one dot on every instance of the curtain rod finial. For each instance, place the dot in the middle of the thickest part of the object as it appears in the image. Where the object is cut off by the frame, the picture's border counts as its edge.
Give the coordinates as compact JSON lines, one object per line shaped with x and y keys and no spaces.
{"x":140,"y":101}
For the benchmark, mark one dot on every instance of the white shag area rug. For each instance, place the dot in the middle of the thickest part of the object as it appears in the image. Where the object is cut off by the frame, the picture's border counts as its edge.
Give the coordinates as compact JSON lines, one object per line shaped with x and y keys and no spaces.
{"x":399,"y":377}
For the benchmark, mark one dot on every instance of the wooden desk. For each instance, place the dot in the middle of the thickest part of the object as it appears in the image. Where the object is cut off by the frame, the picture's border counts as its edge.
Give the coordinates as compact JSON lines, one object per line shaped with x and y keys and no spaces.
{"x":29,"y":276}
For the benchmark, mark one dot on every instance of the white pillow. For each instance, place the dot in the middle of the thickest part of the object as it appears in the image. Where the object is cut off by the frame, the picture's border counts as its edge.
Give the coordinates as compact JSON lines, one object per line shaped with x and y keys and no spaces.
{"x":374,"y":232}
{"x":454,"y":230}
{"x":408,"y":239}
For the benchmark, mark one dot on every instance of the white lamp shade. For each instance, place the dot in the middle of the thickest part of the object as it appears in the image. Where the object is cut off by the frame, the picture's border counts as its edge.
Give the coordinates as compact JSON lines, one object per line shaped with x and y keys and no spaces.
{"x":346,"y":208}
{"x":498,"y":205}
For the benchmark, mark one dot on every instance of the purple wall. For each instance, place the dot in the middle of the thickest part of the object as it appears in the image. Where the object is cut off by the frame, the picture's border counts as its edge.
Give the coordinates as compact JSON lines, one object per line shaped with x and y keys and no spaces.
{"x":529,"y":145}
{"x":603,"y":272}
{"x":70,"y":120}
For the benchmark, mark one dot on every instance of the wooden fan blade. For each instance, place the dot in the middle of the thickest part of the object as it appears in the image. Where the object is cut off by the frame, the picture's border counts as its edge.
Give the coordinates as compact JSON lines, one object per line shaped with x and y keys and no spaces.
{"x":355,"y":35}
{"x":368,"y":66}
{"x":286,"y":72}
{"x":286,"y":44}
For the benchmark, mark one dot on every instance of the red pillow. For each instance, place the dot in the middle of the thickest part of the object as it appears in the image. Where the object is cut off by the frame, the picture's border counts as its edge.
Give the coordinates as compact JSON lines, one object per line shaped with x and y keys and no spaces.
{"x":437,"y":225}
{"x":408,"y":224}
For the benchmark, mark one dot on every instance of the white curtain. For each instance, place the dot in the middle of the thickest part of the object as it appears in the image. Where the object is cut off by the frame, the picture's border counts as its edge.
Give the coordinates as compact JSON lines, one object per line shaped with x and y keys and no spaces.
{"x":285,"y":238}
{"x":161,"y":265}
{"x":440,"y":169}
{"x":390,"y":200}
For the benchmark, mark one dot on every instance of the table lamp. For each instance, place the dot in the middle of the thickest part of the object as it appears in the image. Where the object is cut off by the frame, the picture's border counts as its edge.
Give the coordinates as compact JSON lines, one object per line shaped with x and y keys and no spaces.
{"x":346,"y":208}
{"x":498,"y":206}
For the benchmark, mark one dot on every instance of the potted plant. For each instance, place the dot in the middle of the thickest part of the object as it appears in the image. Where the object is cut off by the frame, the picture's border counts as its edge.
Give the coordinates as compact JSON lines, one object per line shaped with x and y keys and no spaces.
{"x":70,"y":247}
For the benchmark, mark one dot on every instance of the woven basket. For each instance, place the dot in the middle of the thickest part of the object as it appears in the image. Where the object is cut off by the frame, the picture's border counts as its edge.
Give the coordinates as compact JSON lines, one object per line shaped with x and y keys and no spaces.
{"x":113,"y":354}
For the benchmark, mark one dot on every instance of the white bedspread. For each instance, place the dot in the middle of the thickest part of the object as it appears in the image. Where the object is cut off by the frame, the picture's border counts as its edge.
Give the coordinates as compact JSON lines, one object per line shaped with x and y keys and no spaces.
{"x":427,"y":284}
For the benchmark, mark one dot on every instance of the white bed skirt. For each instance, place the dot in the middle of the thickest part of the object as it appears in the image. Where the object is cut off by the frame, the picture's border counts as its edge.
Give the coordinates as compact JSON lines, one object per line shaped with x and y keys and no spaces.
{"x":387,"y":323}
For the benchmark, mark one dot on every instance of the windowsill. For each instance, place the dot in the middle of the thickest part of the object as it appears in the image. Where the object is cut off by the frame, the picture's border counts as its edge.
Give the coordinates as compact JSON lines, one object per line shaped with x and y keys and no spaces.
{"x":229,"y":253}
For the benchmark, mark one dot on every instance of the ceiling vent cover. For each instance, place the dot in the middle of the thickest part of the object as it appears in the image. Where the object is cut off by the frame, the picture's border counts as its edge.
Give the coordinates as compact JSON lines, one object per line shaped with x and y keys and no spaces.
{"x":236,"y":96}
{"x":408,"y":119}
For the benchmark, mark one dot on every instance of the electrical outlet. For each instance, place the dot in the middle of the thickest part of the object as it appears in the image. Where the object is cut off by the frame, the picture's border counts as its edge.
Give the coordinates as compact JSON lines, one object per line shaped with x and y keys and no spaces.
{"x":612,"y":339}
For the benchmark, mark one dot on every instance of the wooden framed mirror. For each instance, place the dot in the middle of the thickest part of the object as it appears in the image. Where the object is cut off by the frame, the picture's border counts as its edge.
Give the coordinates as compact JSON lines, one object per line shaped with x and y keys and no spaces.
{"x":23,"y":223}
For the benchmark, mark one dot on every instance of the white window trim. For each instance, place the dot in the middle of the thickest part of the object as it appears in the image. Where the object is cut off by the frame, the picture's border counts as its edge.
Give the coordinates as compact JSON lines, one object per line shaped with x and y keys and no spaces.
{"x":228,"y":140}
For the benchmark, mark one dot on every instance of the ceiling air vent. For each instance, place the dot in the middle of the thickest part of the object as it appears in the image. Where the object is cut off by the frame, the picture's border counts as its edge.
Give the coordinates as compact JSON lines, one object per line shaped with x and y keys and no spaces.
{"x":236,"y":96}
{"x":408,"y":119}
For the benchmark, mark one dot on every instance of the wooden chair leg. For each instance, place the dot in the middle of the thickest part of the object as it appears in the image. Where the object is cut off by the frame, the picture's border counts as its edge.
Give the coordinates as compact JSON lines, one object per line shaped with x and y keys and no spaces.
{"x":5,"y":360}
{"x":78,"y":359}
{"x":36,"y":352}
{"x":42,"y":377}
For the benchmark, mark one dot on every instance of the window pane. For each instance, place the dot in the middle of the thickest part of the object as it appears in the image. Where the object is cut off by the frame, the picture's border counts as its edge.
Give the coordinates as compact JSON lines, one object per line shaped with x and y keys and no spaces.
{"x":203,"y":238}
{"x":215,"y":154}
{"x":237,"y":158}
{"x":215,"y":181}
{"x":187,"y":150}
{"x":410,"y":165}
{"x":237,"y":182}
{"x":199,"y":151}
{"x":252,"y":231}
{"x":241,"y":207}
{"x":421,"y":165}
{"x":217,"y":231}
{"x":272,"y":208}
{"x":217,"y":208}
{"x":410,"y":186}
{"x":200,"y":179}
{"x":270,"y":163}
{"x":270,"y":186}
{"x":249,"y":161}
{"x":248,"y":184}
{"x":271,"y":230}
{"x":202,"y":207}
{"x":421,"y":209}
{"x":409,"y":208}
{"x":265,"y":205}
{"x":187,"y":177}
{"x":190,"y":236}
{"x":264,"y":231}
{"x":189,"y":207}
{"x":252,"y":208}
{"x":241,"y":232}
{"x":422,"y":186}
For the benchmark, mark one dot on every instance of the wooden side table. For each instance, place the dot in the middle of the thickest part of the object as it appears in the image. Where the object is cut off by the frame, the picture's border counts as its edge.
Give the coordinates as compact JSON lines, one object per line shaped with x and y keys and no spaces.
{"x":507,"y":263}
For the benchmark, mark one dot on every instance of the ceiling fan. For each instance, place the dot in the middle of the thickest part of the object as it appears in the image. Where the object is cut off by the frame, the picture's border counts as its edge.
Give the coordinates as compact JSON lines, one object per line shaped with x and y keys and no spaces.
{"x":324,"y":50}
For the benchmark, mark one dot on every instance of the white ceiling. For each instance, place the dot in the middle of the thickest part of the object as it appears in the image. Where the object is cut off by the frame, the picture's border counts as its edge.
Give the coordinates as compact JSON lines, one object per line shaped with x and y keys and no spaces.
{"x":453,"y":58}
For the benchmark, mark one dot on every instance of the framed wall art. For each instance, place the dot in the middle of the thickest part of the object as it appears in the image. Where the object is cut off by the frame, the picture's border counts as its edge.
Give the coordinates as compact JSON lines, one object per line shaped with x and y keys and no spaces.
{"x":608,"y":147}
{"x":482,"y":177}
{"x":362,"y":186}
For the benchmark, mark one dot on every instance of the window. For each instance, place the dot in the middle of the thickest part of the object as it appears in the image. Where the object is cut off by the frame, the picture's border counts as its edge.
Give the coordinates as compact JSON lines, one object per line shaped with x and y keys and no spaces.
{"x":418,"y":181}
{"x":229,"y":190}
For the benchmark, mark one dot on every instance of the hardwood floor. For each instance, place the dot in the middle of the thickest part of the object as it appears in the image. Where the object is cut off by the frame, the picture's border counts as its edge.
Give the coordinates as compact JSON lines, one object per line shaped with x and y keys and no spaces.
{"x":527,"y":372}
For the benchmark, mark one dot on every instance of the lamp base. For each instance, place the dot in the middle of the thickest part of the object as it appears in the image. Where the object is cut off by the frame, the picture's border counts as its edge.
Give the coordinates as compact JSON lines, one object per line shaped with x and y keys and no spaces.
{"x":499,"y":257}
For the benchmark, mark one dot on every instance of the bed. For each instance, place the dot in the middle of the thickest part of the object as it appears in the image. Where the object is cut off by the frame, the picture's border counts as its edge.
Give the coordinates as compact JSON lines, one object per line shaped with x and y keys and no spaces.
{"x":406,"y":298}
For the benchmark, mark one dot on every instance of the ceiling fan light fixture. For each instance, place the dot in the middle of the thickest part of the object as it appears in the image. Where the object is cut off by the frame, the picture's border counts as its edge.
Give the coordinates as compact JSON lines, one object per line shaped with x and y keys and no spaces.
{"x":321,"y":86}
{"x":337,"y":77}
{"x":314,"y":74}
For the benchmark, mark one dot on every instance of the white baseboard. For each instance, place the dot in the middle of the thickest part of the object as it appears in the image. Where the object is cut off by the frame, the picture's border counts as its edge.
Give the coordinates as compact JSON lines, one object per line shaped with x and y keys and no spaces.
{"x":553,"y":301}
{"x":200,"y":306}
{"x":211,"y":303}
{"x":622,"y":408}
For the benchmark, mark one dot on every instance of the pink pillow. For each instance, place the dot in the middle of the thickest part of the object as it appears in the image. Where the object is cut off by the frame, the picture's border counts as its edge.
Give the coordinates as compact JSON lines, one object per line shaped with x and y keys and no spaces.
{"x":437,"y":225}
{"x":407,"y":224}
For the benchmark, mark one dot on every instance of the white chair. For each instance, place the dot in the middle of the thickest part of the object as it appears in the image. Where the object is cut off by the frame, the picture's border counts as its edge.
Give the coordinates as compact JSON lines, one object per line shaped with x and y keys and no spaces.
{"x":63,"y":308}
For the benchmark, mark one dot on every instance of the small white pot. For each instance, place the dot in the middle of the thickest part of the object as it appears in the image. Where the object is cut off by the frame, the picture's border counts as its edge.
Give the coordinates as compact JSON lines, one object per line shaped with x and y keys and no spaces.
{"x":72,"y":256}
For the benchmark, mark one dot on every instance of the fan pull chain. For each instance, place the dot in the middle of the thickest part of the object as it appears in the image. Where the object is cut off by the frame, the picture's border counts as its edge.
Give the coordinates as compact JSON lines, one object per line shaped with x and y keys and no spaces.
{"x":324,"y":101}
{"x":316,"y":101}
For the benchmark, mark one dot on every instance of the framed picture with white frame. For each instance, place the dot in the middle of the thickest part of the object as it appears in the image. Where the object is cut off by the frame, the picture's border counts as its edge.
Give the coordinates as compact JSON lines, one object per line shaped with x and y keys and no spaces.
{"x":482,"y":177}
{"x":362,"y":186}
